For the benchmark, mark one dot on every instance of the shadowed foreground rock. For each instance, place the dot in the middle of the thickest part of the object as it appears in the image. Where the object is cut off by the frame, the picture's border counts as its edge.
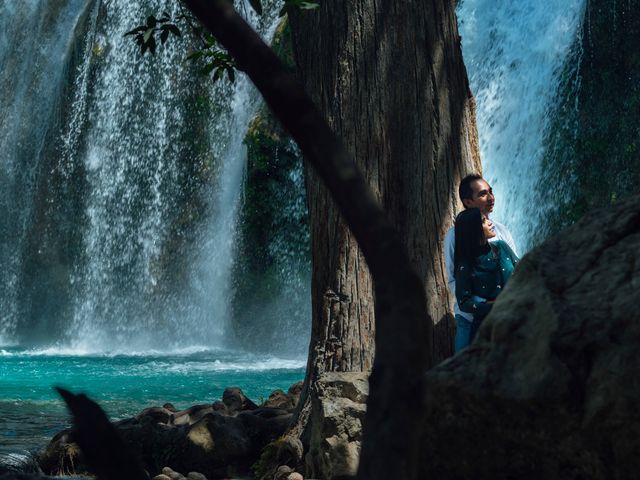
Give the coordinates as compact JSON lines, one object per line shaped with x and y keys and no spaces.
{"x":551,"y":387}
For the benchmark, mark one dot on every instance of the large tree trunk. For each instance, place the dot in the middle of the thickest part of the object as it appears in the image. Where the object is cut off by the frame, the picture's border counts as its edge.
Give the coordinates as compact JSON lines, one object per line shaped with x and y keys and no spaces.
{"x":404,"y":329}
{"x":390,"y":79}
{"x":411,"y":172}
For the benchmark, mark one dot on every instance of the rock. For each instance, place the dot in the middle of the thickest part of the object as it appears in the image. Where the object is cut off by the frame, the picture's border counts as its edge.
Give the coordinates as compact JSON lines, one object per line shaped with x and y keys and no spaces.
{"x":236,"y":401}
{"x":285,"y":401}
{"x":285,"y":472}
{"x":62,"y":456}
{"x":155,"y":414}
{"x":549,"y":389}
{"x":196,"y":476}
{"x":219,"y":406}
{"x":295,"y":391}
{"x":290,"y":451}
{"x":284,"y":451}
{"x":282,"y":473}
{"x":170,"y":407}
{"x":278,"y":399}
{"x":338,"y":408}
{"x":168,"y":471}
{"x":191,"y":414}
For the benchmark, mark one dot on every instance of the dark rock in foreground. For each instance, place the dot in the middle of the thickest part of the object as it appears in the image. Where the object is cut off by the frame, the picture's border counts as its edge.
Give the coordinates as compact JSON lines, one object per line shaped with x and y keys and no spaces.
{"x":219,"y":440}
{"x":550,"y":388}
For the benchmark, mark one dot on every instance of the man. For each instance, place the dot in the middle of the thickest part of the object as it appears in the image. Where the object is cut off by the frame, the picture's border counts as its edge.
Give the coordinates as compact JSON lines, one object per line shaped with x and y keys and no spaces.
{"x":474,"y":192}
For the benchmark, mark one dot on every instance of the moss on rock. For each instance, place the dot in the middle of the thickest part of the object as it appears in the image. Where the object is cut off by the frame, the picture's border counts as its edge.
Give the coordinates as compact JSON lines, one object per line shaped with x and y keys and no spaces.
{"x":593,"y":151}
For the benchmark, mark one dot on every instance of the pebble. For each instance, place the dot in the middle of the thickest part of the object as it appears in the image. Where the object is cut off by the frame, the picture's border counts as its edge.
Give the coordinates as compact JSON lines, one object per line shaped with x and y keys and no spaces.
{"x":195,"y":476}
{"x":295,"y":476}
{"x":172,"y":474}
{"x":162,"y":477}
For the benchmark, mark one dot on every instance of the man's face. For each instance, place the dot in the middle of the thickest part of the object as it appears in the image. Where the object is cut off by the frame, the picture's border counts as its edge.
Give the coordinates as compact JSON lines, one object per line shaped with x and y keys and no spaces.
{"x":482,"y":197}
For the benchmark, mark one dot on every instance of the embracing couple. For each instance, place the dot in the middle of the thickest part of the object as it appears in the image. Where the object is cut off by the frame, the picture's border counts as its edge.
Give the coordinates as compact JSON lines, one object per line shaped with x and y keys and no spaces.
{"x":480,"y":257}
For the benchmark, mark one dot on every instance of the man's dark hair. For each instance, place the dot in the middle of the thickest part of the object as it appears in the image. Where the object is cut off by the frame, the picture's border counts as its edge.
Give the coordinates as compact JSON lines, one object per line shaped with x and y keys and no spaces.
{"x":465,"y":190}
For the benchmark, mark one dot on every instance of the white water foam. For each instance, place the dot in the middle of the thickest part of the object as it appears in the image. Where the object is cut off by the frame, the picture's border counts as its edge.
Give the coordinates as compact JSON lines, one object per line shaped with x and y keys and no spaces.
{"x":195,"y":358}
{"x":257,"y":365}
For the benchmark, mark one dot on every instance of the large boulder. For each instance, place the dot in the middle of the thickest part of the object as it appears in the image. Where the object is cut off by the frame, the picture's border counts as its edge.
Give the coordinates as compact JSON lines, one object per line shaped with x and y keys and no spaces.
{"x":550,"y":388}
{"x":338,"y":409}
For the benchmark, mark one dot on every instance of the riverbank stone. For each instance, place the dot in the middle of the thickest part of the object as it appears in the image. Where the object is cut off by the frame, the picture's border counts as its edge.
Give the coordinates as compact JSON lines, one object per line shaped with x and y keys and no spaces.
{"x":338,"y":409}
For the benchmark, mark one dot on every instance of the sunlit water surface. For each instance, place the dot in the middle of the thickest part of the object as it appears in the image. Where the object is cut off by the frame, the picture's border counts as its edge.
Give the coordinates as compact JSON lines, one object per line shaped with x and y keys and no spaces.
{"x":31,"y":412}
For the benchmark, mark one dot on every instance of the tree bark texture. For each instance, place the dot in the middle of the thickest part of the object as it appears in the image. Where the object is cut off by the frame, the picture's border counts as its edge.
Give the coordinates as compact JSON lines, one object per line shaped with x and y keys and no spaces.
{"x":390,"y":80}
{"x":404,"y":329}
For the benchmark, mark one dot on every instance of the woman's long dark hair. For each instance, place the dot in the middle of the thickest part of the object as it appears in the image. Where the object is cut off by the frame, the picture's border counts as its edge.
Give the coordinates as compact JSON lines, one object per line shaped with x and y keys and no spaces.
{"x":470,"y":239}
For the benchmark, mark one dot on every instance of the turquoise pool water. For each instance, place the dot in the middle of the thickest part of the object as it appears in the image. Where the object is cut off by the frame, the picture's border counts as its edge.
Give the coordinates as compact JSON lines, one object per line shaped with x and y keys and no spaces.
{"x":31,"y":412}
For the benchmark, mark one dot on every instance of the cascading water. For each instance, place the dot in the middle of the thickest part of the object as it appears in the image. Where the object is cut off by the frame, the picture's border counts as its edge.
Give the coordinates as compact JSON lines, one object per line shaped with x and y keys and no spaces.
{"x":36,"y":44}
{"x":516,"y":55}
{"x":120,"y":182}
{"x":132,"y":150}
{"x":108,"y":163}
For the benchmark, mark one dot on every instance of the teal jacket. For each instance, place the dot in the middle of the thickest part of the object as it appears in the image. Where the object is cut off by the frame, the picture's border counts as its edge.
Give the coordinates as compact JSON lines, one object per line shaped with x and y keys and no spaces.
{"x":485,"y":280}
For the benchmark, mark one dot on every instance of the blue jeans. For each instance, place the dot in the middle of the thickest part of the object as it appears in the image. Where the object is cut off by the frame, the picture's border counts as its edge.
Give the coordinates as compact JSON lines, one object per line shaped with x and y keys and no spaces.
{"x":465,"y":331}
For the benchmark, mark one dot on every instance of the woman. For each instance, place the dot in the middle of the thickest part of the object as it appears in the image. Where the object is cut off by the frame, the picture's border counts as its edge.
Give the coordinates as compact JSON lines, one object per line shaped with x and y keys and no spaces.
{"x":481,"y":267}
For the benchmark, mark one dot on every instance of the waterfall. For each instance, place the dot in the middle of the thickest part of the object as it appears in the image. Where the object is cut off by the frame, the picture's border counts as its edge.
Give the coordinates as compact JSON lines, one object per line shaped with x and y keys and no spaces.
{"x":516,"y":54}
{"x":121,"y":178}
{"x":36,"y":43}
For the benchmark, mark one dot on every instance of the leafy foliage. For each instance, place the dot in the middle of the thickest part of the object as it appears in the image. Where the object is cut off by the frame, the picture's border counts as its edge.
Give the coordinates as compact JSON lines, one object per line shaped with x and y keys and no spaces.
{"x":145,"y":35}
{"x":208,"y":53}
{"x":301,"y":4}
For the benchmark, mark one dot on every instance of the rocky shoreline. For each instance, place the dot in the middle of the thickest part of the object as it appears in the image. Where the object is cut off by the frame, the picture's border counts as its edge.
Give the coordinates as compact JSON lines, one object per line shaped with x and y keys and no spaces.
{"x":223,"y":439}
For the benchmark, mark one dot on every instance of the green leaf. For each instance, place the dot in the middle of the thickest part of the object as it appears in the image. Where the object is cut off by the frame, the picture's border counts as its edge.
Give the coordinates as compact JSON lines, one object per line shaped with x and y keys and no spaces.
{"x":195,"y":55}
{"x":135,"y":30}
{"x":208,"y":69}
{"x":174,"y":29}
{"x":209,"y":39}
{"x":164,"y":35}
{"x":256,"y":5}
{"x":152,"y":45}
{"x":218,"y":74}
{"x":147,"y":34}
{"x":151,"y":21}
{"x":301,"y":4}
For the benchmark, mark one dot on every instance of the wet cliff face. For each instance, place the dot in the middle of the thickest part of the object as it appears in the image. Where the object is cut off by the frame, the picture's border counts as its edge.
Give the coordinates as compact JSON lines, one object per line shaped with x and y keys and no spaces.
{"x":593,"y":151}
{"x":271,"y":300}
{"x":608,"y":130}
{"x":272,"y":274}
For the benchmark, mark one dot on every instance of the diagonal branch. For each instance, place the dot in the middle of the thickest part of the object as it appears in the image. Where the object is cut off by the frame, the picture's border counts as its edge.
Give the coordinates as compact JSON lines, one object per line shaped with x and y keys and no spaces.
{"x":403,"y":328}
